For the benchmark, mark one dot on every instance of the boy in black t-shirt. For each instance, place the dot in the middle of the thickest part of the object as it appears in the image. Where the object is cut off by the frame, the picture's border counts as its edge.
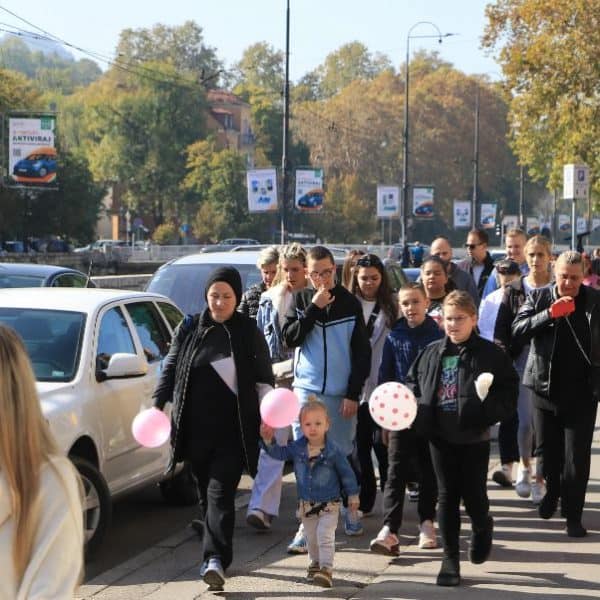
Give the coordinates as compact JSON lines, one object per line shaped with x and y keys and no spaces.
{"x":456,"y":410}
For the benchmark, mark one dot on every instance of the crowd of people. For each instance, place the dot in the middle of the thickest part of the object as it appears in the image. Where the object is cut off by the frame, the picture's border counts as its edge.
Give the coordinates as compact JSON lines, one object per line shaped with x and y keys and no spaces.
{"x":516,"y":342}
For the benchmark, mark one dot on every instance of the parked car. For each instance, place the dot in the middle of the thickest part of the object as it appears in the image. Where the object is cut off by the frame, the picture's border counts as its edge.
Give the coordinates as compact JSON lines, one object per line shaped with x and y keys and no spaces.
{"x":96,"y":355}
{"x":25,"y":275}
{"x":13,"y":246}
{"x":184,"y":279}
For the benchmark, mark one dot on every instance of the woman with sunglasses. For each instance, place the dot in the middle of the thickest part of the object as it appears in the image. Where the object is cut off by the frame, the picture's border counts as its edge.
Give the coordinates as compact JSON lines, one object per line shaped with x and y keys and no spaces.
{"x":515,"y":437}
{"x":437,"y":284}
{"x":371,"y":286}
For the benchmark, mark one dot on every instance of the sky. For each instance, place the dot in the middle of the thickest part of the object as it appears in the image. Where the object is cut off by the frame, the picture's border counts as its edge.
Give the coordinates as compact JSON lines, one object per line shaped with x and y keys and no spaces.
{"x":317,"y":27}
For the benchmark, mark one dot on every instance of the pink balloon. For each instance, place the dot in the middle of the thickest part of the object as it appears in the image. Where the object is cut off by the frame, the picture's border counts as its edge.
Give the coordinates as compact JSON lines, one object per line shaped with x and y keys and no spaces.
{"x":279,"y":407}
{"x":393,"y":406}
{"x":151,"y":428}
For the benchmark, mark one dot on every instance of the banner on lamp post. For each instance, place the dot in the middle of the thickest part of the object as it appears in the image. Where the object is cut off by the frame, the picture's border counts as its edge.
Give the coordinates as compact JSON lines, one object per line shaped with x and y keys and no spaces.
{"x":423,"y":202}
{"x":581,"y":224}
{"x":462,"y":214}
{"x":488,"y":215}
{"x":564,"y":223}
{"x":533,"y":226}
{"x":388,"y":201}
{"x":309,"y":190}
{"x":32,"y":155}
{"x":262,"y":190}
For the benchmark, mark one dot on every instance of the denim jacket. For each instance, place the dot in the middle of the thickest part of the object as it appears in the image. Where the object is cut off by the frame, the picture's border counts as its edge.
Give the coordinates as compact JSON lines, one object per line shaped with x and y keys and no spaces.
{"x":329,"y":475}
{"x":271,"y":304}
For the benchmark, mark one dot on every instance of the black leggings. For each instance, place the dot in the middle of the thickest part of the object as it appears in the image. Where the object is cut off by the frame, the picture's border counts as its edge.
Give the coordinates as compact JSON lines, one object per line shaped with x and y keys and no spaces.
{"x":461,"y":471}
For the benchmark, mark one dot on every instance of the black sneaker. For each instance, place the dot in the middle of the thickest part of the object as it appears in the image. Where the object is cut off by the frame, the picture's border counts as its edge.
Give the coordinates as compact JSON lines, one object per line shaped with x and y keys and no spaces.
{"x":481,"y":543}
{"x":576,"y":529}
{"x":548,"y":506}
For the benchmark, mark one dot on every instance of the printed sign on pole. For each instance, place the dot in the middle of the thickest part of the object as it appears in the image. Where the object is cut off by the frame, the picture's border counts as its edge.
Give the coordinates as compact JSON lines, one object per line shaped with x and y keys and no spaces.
{"x":309,"y":189}
{"x":564,"y":223}
{"x":576,"y":182}
{"x":488,"y":216}
{"x":510,"y":222}
{"x":595,"y":224}
{"x":462,"y":214}
{"x":423,"y":202}
{"x":581,"y":224}
{"x":388,"y":201}
{"x":262,"y":190}
{"x":32,"y":156}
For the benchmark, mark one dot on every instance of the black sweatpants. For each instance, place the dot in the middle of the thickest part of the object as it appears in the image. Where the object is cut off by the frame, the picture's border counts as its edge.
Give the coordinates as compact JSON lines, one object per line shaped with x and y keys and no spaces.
{"x":461,"y":471}
{"x":507,"y":440}
{"x":564,"y":446}
{"x":218,"y":474}
{"x":404,"y":446}
{"x":368,"y":438}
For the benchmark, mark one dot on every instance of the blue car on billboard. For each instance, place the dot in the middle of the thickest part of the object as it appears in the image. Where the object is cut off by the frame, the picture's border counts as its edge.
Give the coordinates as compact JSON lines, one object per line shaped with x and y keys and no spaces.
{"x":425,"y":209}
{"x":312,"y":200}
{"x":38,"y":165}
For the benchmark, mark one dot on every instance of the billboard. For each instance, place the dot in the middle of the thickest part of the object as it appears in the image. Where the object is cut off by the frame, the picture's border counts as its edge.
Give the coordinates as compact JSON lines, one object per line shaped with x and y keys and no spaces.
{"x":32,"y":155}
{"x":309,"y":190}
{"x":462,"y":214}
{"x":423,"y":202}
{"x":533,"y":226}
{"x":262,"y":190}
{"x":488,"y":215}
{"x":388,"y":201}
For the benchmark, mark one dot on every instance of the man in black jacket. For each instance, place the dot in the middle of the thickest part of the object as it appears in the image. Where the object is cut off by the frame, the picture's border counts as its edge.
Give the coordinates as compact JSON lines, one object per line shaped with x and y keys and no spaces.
{"x":563,"y":367}
{"x":479,"y":263}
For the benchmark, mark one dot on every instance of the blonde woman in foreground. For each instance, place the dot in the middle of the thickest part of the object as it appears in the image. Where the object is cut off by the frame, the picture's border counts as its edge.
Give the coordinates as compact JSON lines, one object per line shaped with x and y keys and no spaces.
{"x":41,"y":519}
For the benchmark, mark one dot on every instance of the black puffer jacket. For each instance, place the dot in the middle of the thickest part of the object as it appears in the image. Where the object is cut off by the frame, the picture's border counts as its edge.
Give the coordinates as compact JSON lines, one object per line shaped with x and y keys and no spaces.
{"x":252,"y":363}
{"x":534,"y":323}
{"x":250,"y":300}
{"x":476,"y":356}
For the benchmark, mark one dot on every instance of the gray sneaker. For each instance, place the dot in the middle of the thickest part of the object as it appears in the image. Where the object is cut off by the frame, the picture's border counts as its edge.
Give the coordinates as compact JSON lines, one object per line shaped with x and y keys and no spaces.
{"x":213,"y":575}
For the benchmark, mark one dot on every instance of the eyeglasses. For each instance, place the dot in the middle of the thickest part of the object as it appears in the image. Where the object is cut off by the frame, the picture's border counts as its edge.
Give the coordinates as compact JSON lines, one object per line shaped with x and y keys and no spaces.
{"x":324,"y":274}
{"x":472,"y":246}
{"x":368,"y":261}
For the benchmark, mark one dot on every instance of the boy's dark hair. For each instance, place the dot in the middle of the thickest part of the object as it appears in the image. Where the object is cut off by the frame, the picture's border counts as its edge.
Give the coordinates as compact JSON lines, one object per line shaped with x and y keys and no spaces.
{"x":413,"y":285}
{"x":481,"y":234}
{"x":462,"y":300}
{"x":319,"y":253}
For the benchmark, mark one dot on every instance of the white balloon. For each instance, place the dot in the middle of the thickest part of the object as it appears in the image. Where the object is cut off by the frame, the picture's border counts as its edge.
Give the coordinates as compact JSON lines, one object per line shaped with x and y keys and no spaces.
{"x":393,"y":406}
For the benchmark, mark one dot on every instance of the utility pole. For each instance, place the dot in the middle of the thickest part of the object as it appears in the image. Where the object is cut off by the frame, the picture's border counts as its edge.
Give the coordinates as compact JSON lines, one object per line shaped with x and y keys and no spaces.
{"x":475,"y":162}
{"x":286,"y":123}
{"x":522,"y":198}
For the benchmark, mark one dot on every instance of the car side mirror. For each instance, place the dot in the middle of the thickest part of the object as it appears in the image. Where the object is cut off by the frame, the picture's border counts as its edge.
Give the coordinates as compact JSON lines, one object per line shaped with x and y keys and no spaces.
{"x":123,"y":364}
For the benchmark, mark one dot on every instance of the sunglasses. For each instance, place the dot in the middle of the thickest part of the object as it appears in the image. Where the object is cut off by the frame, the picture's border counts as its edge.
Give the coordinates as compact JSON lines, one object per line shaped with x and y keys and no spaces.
{"x":368,"y":261}
{"x":472,"y":246}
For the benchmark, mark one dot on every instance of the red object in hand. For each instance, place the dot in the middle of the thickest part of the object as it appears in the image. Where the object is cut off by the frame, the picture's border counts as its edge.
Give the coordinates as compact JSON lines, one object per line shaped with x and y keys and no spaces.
{"x":561,"y":308}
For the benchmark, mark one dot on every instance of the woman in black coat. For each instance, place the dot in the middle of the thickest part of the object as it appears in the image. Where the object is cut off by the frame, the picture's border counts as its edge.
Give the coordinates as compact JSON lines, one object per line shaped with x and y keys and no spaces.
{"x":217,"y":367}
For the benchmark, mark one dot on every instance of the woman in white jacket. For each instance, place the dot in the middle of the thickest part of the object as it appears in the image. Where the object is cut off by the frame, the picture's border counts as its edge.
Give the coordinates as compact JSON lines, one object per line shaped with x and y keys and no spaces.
{"x":41,"y":518}
{"x":371,"y":286}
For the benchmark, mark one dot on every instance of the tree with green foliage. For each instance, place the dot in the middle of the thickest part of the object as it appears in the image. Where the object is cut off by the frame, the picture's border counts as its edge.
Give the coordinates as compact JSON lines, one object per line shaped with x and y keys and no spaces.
{"x":549,"y":56}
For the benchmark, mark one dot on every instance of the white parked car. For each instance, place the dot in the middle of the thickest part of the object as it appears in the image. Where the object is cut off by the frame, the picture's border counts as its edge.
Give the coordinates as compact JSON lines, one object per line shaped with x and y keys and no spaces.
{"x":97,"y":355}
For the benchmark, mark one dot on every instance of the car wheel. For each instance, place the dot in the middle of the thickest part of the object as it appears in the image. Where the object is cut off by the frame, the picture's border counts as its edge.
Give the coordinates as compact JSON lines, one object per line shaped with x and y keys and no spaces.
{"x":180,"y":489}
{"x":43,"y":172}
{"x":97,"y":506}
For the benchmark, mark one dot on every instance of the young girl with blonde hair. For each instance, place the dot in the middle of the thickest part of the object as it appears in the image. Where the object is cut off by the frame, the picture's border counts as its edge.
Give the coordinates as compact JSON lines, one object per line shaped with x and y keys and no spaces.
{"x":41,"y":514}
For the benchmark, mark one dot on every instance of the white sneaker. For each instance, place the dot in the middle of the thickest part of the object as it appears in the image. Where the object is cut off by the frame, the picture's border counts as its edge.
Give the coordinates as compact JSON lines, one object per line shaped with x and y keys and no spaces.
{"x":385,"y":543}
{"x":538,"y":491}
{"x":258,"y":519}
{"x":427,"y":537}
{"x":523,"y":485}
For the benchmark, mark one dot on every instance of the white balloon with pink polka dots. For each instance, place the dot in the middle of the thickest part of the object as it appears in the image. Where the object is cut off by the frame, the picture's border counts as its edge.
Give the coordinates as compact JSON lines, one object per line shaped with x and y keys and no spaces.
{"x":393,"y":406}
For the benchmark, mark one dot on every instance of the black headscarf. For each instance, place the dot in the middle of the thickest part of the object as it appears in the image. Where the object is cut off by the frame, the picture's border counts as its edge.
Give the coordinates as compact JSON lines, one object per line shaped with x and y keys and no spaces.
{"x":228,"y":275}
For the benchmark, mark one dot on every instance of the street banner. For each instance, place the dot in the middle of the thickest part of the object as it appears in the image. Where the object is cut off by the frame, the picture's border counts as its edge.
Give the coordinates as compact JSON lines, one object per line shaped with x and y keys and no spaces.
{"x":595,"y":224}
{"x":581,"y":224}
{"x":388,"y":201}
{"x":423,"y":202}
{"x":564,"y":223}
{"x":262,"y":190}
{"x":488,"y":215}
{"x":533,"y":226}
{"x":576,"y":182}
{"x":510,"y":222}
{"x":462,"y":214}
{"x":309,"y":190}
{"x":32,"y":156}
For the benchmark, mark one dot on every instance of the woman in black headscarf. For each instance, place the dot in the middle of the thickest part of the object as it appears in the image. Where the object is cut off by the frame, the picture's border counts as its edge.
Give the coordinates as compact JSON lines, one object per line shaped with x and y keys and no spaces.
{"x":217,"y":367}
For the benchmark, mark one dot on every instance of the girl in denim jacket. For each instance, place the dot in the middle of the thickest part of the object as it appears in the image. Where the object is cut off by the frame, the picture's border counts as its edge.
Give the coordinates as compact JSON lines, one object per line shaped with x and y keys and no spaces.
{"x":323,"y":474}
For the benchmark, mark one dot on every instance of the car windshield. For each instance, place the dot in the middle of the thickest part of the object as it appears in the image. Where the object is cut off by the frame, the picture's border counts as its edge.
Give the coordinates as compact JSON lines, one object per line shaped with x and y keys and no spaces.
{"x":52,"y":339}
{"x":20,"y":281}
{"x":184,"y":284}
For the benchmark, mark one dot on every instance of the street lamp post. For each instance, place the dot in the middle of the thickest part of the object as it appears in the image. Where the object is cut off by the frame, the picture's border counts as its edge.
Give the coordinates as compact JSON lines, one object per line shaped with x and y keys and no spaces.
{"x":286,"y":124}
{"x":405,"y":182}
